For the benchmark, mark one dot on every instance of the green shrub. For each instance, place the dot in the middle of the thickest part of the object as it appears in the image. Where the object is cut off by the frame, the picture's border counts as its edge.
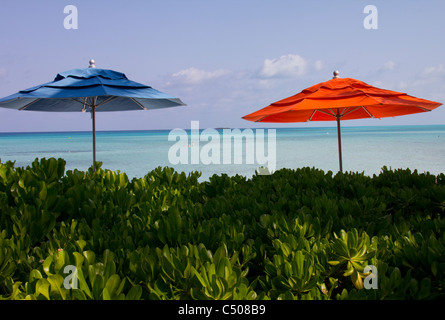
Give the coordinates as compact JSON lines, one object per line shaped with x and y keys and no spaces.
{"x":294,"y":234}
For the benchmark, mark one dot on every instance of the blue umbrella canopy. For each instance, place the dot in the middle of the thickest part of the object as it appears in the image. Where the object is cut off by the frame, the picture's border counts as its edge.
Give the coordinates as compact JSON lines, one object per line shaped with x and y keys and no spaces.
{"x":76,"y":89}
{"x":90,"y":89}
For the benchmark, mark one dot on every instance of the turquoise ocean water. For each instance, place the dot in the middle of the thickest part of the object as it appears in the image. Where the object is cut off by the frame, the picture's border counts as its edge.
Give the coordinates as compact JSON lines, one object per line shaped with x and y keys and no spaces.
{"x":365,"y":149}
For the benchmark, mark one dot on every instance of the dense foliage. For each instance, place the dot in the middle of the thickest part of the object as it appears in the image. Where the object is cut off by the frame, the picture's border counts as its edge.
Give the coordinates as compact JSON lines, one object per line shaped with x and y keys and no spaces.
{"x":295,"y":234}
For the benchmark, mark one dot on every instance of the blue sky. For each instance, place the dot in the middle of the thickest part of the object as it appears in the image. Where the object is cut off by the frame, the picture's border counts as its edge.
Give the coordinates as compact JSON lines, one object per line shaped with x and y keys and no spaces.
{"x":224,"y":59}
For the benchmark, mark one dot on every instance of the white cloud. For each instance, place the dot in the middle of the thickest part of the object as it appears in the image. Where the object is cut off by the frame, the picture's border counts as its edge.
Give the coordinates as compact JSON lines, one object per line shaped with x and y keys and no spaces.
{"x":194,"y":75}
{"x":389,"y":65}
{"x":290,"y":65}
{"x":434,"y":70}
{"x":318,"y":65}
{"x":378,"y":84}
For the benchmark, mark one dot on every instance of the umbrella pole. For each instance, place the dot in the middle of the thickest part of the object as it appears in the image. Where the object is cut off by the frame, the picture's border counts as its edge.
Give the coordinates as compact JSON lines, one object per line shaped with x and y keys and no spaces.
{"x":93,"y":116}
{"x":339,"y":141}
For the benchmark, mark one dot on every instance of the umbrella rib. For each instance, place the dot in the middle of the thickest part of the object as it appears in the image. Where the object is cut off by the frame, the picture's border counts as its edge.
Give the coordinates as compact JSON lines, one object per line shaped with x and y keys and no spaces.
{"x":84,"y":102}
{"x":350,"y":110}
{"x":364,"y":108}
{"x":327,"y":113}
{"x":32,"y":102}
{"x":259,"y":120}
{"x":312,"y":115}
{"x":344,"y":111}
{"x":424,"y":109}
{"x":111,"y":98}
{"x":138,"y":103}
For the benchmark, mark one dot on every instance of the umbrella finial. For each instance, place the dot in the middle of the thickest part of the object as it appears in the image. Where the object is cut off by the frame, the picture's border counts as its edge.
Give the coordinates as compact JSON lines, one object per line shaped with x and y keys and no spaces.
{"x":336,"y":74}
{"x":92,"y":65}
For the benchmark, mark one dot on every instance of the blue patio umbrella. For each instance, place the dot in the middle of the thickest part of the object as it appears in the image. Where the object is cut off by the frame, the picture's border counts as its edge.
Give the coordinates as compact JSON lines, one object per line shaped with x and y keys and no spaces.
{"x":90,"y":89}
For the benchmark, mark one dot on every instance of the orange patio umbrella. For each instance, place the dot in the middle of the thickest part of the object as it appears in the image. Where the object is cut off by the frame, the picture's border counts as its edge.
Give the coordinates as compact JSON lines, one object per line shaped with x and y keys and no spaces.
{"x":341,"y":99}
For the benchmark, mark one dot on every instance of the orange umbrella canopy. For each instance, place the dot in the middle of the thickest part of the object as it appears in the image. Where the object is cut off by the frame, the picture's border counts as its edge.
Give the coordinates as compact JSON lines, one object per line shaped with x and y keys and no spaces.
{"x":341,"y":99}
{"x":345,"y":98}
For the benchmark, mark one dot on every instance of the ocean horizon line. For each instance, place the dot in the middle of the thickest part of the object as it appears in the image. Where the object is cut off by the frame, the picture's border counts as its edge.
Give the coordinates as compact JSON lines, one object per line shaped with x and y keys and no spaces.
{"x":222,"y":128}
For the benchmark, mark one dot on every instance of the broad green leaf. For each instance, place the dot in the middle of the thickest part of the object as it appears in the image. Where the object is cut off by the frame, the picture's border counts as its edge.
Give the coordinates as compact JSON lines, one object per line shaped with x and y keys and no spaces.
{"x":106,"y":295}
{"x":43,"y":192}
{"x":61,"y":259}
{"x":135,"y":293}
{"x":357,"y":280}
{"x":56,"y":282}
{"x":83,"y":285}
{"x":98,"y":286}
{"x":79,"y":259}
{"x":42,"y":287}
{"x":34,"y":274}
{"x":198,"y":276}
{"x":47,"y":264}
{"x":81,"y":244}
{"x":112,"y":284}
{"x":90,"y":256}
